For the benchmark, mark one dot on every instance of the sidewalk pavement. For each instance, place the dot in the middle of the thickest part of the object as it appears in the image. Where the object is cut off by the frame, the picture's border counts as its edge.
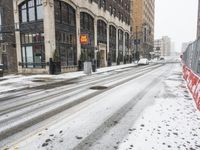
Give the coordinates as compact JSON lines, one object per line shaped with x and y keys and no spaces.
{"x":17,"y":82}
{"x":172,"y":122}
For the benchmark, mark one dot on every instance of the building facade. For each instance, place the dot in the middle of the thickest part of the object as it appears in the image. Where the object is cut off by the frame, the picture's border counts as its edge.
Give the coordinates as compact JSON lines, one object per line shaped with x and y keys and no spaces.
{"x":143,"y":26}
{"x":158,"y":46}
{"x":163,"y":46}
{"x":7,"y":37}
{"x":71,"y":31}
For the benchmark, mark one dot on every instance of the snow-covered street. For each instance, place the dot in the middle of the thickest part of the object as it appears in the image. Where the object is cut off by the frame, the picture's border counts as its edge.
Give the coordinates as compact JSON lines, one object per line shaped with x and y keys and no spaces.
{"x":139,"y":108}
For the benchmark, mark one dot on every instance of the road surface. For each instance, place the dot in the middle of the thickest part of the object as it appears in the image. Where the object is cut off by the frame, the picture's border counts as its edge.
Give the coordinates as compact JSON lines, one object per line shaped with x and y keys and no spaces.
{"x":90,"y":112}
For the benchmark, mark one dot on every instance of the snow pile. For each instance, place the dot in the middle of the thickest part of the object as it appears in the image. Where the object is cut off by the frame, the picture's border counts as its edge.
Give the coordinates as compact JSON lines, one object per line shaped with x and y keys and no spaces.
{"x":171,"y":123}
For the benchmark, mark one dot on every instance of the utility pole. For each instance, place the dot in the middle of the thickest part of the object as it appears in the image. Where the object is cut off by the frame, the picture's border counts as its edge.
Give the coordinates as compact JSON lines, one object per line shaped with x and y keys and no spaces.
{"x":136,"y":38}
{"x":136,"y":42}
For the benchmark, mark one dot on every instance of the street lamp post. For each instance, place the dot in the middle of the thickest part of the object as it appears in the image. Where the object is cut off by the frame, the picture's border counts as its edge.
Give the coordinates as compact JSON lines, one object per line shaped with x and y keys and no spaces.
{"x":136,"y":42}
{"x":136,"y":39}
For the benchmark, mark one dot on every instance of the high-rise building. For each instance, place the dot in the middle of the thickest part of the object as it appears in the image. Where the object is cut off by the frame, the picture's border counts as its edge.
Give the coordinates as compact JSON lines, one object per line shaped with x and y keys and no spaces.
{"x":142,"y":15}
{"x":7,"y":36}
{"x":198,"y":21}
{"x":71,"y":32}
{"x":158,"y":46}
{"x":163,"y":45}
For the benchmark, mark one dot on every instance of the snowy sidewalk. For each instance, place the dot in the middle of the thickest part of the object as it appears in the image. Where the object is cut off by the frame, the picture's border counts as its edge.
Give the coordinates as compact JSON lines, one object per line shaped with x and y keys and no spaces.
{"x":171,"y":123}
{"x":17,"y":82}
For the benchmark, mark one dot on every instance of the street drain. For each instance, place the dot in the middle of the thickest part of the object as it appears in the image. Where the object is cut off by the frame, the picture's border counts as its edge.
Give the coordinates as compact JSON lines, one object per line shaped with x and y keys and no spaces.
{"x":98,"y":87}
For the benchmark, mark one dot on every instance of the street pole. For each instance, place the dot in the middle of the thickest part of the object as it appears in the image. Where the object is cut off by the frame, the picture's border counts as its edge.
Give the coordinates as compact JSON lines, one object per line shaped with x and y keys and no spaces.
{"x":136,"y":42}
{"x":136,"y":38}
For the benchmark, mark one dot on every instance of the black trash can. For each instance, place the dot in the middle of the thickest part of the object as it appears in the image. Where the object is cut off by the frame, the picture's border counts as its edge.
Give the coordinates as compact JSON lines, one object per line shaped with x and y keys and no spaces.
{"x":94,"y":65}
{"x":1,"y":70}
{"x":118,"y":61}
{"x":80,"y":65}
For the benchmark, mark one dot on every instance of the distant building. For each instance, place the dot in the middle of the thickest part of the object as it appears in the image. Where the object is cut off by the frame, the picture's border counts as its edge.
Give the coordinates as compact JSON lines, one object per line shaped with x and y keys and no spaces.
{"x":173,"y":48}
{"x":163,"y":46}
{"x":71,"y":32}
{"x":158,"y":46}
{"x":7,"y":36}
{"x":143,"y":26}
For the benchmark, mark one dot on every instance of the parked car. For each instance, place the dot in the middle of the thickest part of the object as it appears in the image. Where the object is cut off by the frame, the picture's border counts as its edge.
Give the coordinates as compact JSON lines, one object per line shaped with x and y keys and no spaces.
{"x":143,"y":61}
{"x":162,"y":58}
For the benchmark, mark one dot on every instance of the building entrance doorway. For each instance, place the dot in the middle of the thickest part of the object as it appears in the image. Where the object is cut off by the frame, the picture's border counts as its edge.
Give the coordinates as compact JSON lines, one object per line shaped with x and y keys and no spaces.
{"x":103,"y":56}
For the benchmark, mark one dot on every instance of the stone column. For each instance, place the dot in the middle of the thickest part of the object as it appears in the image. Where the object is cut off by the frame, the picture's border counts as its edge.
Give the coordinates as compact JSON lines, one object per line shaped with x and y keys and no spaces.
{"x":78,"y":31}
{"x":108,"y":39}
{"x":124,"y":47}
{"x":117,"y":43}
{"x":95,"y":36}
{"x":49,"y":30}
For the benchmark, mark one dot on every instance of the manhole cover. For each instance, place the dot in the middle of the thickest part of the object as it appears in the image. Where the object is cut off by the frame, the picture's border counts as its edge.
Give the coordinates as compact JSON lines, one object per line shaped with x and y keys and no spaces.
{"x":2,"y":79}
{"x":39,"y":80}
{"x":98,"y":87}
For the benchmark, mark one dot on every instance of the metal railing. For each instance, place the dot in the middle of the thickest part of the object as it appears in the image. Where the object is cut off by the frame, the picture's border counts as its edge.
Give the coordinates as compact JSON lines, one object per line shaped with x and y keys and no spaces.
{"x":191,"y":57}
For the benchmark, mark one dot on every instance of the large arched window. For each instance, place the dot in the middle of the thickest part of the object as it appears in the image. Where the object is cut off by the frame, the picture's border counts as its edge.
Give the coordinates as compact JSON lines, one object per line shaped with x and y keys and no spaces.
{"x":65,"y":24}
{"x":120,"y":44}
{"x":87,"y":22}
{"x":101,"y":32}
{"x":87,"y":27}
{"x":31,"y":10}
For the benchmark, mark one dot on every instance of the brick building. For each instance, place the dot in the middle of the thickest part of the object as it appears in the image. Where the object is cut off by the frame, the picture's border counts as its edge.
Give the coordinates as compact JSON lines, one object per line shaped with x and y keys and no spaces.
{"x":7,"y":36}
{"x":143,"y":26}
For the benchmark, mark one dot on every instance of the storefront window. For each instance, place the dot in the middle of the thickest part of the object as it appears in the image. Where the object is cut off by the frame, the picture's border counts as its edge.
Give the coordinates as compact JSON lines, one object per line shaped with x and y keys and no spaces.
{"x":33,"y":53}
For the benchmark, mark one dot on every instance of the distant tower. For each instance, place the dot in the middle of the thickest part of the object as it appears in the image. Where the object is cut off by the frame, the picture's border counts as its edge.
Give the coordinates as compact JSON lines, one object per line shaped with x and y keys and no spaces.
{"x":142,"y":15}
{"x":198,"y":22}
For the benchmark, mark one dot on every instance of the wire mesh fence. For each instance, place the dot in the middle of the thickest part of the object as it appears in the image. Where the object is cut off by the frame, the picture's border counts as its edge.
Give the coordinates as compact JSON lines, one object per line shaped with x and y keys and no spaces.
{"x":191,"y":56}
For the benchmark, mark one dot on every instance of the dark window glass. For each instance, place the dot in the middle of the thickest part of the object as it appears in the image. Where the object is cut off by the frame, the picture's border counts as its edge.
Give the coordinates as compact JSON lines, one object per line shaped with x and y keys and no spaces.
{"x":33,"y":53}
{"x":57,"y":8}
{"x":23,"y":13}
{"x":65,"y":16}
{"x":1,"y":36}
{"x":40,"y":14}
{"x":31,"y":10}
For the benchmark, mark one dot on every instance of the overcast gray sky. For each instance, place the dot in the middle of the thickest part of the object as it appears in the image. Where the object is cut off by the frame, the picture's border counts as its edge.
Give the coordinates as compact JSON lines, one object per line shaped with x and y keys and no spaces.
{"x":176,"y":19}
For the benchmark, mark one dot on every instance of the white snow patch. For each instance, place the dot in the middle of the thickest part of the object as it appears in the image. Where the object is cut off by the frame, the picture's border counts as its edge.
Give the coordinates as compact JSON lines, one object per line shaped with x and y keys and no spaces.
{"x":171,"y":123}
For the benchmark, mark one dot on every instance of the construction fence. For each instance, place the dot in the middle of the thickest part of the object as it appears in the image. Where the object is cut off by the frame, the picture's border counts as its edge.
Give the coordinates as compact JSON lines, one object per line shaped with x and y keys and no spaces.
{"x":191,"y":70}
{"x":191,"y":57}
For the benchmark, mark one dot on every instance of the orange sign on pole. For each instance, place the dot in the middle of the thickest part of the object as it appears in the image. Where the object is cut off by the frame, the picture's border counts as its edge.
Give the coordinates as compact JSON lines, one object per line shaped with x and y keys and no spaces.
{"x":84,"y":39}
